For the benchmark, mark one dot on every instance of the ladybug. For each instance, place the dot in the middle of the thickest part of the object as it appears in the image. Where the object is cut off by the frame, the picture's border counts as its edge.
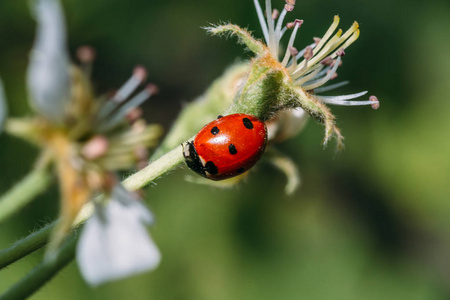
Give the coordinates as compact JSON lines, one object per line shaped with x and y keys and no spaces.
{"x":226,"y":147}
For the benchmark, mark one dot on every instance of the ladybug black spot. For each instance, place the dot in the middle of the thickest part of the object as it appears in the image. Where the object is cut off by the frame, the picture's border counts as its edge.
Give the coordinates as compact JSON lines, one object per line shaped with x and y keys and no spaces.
{"x":219,"y":116}
{"x":232,"y":149}
{"x":247,"y":123}
{"x":240,"y":170}
{"x":215,"y":130}
{"x":211,"y":168}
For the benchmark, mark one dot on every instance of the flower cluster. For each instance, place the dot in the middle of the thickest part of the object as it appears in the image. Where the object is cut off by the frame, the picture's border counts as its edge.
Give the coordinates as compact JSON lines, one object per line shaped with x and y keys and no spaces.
{"x":314,"y":66}
{"x":87,"y":140}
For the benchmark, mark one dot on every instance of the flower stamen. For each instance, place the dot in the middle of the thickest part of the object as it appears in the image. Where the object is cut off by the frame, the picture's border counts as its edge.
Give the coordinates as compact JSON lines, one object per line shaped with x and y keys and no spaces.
{"x":323,"y":80}
{"x":95,"y":148}
{"x":270,"y":24}
{"x":350,"y":41}
{"x":86,"y":55}
{"x":280,"y":24}
{"x":119,"y":113}
{"x":328,"y":48}
{"x":138,"y":77}
{"x":262,"y":22}
{"x":297,"y":24}
{"x":315,"y":72}
{"x":343,"y":100}
{"x":375,"y":103}
{"x":294,"y":52}
{"x":306,"y":49}
{"x":275,"y":14}
{"x":327,"y":35}
{"x":331,"y":87}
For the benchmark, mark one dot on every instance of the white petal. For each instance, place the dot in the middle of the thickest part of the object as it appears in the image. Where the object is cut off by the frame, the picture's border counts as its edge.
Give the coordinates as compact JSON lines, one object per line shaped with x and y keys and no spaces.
{"x":3,"y":107}
{"x":133,"y":204}
{"x":115,"y":243}
{"x":48,"y":73}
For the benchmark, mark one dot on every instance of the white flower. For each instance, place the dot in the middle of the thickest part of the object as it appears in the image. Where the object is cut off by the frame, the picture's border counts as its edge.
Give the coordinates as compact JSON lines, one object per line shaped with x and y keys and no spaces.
{"x":314,"y":66}
{"x":3,"y":107}
{"x":48,"y":75}
{"x":89,"y":138}
{"x":115,"y":243}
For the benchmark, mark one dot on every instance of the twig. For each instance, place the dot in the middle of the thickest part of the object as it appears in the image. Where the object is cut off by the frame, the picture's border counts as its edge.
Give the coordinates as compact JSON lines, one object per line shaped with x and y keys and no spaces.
{"x":42,"y":273}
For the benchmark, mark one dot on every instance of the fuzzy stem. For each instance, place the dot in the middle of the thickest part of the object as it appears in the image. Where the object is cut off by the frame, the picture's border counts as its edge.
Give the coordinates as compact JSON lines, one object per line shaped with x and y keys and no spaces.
{"x":25,"y":246}
{"x":23,"y":192}
{"x":42,"y":273}
{"x":166,"y":163}
{"x":136,"y":181}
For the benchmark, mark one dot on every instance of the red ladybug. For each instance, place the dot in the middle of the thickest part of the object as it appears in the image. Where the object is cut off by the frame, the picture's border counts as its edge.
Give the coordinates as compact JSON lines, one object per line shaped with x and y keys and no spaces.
{"x":226,"y":147}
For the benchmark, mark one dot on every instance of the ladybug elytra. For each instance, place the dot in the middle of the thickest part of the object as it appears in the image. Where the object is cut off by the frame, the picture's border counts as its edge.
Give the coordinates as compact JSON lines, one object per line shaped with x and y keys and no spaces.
{"x":226,"y":147}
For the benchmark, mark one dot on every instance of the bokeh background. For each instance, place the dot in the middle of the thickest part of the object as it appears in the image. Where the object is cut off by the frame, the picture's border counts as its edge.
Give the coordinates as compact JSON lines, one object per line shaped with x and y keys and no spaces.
{"x":370,"y":223}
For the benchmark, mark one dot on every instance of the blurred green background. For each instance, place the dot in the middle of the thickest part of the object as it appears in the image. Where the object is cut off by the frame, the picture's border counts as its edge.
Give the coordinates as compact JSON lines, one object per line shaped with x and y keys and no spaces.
{"x":370,"y":223}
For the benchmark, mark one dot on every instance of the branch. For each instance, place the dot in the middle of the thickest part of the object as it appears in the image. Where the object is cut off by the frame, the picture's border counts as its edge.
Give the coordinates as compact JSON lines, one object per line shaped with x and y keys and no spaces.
{"x":42,"y":273}
{"x":25,"y":246}
{"x":161,"y":166}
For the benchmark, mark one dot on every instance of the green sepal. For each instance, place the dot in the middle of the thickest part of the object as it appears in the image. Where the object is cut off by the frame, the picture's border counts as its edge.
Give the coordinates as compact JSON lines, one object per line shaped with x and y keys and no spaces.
{"x":243,"y":35}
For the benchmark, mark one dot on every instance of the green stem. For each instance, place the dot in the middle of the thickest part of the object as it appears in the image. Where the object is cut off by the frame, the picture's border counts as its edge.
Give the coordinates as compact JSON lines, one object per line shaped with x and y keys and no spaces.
{"x":26,"y":246}
{"x":23,"y":192}
{"x":42,"y":273}
{"x":166,"y":163}
{"x":136,"y":181}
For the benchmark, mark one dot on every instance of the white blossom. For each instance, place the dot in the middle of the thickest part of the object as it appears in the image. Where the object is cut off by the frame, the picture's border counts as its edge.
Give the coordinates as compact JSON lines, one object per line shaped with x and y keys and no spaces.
{"x":48,"y":72}
{"x":115,"y":243}
{"x":313,"y":67}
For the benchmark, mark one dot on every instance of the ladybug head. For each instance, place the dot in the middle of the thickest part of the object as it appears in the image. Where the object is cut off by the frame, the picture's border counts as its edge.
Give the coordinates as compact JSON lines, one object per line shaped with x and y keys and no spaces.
{"x":192,"y":159}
